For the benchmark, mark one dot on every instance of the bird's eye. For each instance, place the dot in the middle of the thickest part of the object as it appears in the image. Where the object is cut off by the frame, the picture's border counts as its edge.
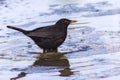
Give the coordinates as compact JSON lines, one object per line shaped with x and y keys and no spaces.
{"x":67,"y":22}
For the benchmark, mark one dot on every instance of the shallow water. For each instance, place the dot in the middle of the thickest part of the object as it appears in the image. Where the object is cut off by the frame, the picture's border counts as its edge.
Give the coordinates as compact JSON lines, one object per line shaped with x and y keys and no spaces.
{"x":92,"y":44}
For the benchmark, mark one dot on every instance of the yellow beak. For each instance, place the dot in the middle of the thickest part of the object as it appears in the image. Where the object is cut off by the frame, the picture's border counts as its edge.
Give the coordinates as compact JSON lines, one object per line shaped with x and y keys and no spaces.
{"x":73,"y":21}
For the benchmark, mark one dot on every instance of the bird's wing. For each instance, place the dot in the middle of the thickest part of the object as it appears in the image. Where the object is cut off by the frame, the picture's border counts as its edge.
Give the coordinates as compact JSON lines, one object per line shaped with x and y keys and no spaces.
{"x":42,"y":32}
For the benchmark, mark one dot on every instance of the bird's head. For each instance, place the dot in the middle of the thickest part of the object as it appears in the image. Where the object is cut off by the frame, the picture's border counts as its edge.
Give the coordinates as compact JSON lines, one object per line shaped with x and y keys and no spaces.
{"x":65,"y":22}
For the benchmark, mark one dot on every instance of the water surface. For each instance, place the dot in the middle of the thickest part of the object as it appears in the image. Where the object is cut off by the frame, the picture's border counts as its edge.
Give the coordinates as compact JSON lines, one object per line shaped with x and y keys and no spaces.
{"x":93,"y":43}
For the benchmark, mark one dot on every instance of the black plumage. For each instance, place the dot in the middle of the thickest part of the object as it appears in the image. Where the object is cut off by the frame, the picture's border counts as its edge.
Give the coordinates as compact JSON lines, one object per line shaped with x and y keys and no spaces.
{"x":49,"y":38}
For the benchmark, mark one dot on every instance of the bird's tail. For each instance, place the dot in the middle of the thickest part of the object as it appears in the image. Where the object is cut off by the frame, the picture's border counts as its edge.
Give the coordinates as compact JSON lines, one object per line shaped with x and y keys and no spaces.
{"x":18,"y":29}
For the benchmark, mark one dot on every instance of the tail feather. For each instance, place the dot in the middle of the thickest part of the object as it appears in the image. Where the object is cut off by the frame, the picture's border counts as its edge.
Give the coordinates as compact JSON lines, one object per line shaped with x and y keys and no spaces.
{"x":18,"y":29}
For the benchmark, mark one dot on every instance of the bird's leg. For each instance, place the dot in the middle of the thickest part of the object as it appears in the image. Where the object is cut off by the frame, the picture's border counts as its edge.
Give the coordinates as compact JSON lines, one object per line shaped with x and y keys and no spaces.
{"x":54,"y":50}
{"x":45,"y":50}
{"x":49,"y":50}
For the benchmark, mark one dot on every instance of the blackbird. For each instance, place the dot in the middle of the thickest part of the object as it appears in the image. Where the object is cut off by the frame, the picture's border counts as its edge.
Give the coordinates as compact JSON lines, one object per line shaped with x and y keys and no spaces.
{"x":49,"y":38}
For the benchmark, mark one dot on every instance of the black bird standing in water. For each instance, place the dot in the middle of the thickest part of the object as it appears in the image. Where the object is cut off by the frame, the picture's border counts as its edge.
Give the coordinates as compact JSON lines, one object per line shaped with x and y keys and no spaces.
{"x":49,"y":38}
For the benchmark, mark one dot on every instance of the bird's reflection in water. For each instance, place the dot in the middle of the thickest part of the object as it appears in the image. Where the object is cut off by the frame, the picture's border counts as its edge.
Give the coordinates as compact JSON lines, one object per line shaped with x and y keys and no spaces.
{"x":22,"y":74}
{"x":66,"y":72}
{"x":52,"y":59}
{"x":49,"y":59}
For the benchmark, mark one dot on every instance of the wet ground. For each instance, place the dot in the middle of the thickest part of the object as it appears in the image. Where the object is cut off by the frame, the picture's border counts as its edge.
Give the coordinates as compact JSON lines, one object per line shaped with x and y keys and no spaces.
{"x":92,"y":44}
